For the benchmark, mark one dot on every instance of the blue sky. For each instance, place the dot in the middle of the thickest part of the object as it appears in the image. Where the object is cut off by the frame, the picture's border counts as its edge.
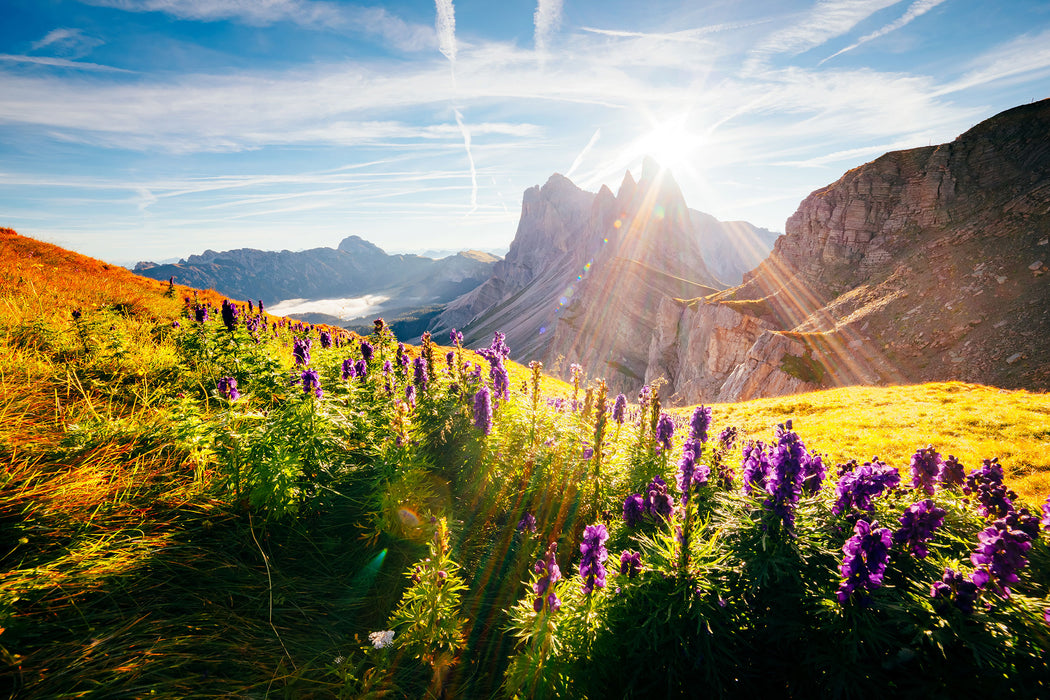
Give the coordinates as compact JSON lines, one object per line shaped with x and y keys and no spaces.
{"x":149,"y":129}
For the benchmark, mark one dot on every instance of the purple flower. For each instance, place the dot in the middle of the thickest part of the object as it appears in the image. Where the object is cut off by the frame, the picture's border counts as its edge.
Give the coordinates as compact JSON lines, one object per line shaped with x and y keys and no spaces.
{"x":592,"y":563}
{"x":311,"y":380}
{"x":200,"y":313}
{"x":527,"y":523}
{"x":420,"y":377}
{"x":366,"y":350}
{"x":410,"y":394}
{"x":326,"y":339}
{"x":657,"y":502}
{"x":951,"y":473}
{"x":1046,"y":514}
{"x":544,"y":586}
{"x":229,"y":314}
{"x":387,"y":368}
{"x":228,"y":388}
{"x":755,"y":465}
{"x":260,"y":306}
{"x":361,"y":370}
{"x":633,"y":509}
{"x":700,"y":423}
{"x":455,"y":337}
{"x":175,"y":324}
{"x":301,"y":351}
{"x":450,"y":360}
{"x":483,"y":410}
{"x":348,"y":369}
{"x":986,"y":483}
{"x":665,"y":431}
{"x":858,"y":488}
{"x":926,"y":466}
{"x":689,"y":473}
{"x":630,"y":563}
{"x":619,"y":408}
{"x":954,"y":588}
{"x":917,"y":526}
{"x":1000,"y":555}
{"x":867,"y":553}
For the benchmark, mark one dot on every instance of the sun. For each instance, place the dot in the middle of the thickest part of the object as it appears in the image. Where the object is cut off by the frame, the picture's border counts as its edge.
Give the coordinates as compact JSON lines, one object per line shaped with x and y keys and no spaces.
{"x":670,"y":142}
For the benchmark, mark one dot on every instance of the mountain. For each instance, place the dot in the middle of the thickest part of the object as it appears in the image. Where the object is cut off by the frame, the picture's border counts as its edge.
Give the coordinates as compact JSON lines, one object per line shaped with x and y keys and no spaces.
{"x":924,"y":264}
{"x":355,"y":268}
{"x":585,"y":273}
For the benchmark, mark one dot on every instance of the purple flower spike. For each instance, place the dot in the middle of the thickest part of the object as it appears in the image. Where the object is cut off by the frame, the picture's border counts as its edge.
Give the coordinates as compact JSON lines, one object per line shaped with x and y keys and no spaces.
{"x":228,"y":388}
{"x":926,"y":466}
{"x":311,"y":381}
{"x":1046,"y":514}
{"x":858,"y":487}
{"x":619,"y":408}
{"x":366,"y":350}
{"x":630,"y":563}
{"x":301,"y":351}
{"x":361,"y":370}
{"x":954,"y":588}
{"x":633,"y":510}
{"x":483,"y":410}
{"x":917,"y":526}
{"x":1000,"y":554}
{"x":700,"y":423}
{"x":326,"y":339}
{"x":348,"y":369}
{"x":867,"y":553}
{"x":952,"y":473}
{"x":665,"y":431}
{"x":592,"y":563}
{"x":527,"y":523}
{"x":986,"y":483}
{"x":544,"y":586}
{"x":229,"y":314}
{"x":420,"y":378}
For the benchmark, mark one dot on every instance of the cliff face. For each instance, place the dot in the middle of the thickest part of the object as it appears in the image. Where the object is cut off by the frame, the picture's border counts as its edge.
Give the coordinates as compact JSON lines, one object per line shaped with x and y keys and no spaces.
{"x":586,"y":273}
{"x":925,"y":264}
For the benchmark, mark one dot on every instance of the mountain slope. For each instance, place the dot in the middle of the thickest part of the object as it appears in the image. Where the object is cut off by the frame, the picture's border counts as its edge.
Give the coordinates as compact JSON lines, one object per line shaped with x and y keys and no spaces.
{"x":925,"y":264}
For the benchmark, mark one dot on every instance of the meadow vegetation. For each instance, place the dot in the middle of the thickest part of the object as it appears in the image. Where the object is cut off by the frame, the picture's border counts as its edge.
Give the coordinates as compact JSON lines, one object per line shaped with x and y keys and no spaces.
{"x":202,"y":500}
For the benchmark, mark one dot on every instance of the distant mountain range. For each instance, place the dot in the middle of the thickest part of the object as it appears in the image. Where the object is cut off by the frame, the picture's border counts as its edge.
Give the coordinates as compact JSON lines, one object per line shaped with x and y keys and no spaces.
{"x":356,"y":268}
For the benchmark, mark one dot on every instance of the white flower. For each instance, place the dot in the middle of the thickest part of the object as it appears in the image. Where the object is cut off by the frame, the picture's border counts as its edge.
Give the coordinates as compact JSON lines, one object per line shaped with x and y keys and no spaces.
{"x":381,"y":639}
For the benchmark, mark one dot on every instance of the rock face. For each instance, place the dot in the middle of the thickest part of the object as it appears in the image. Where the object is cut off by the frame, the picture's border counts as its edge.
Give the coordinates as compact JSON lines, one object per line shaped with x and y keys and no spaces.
{"x":355,"y":268}
{"x":585,"y":277}
{"x":917,"y":266}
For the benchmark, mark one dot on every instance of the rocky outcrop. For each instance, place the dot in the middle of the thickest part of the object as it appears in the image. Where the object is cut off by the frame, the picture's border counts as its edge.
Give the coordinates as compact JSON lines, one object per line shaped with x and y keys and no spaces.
{"x":925,"y":264}
{"x":586,"y":273}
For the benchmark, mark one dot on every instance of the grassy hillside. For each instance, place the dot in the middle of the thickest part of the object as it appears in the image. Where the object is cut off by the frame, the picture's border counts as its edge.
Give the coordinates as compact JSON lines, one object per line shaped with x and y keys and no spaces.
{"x":161,"y":536}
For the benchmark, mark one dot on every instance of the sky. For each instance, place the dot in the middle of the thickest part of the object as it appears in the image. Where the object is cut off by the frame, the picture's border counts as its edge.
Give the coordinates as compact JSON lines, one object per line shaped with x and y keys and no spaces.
{"x":156,"y":129}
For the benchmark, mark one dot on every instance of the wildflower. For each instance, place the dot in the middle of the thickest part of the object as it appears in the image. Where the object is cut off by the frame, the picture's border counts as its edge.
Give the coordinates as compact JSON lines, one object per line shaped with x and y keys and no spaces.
{"x":361,"y":369}
{"x":229,"y":314}
{"x":755,"y":465}
{"x":1000,"y":555}
{"x":483,"y":410}
{"x":951,"y":473}
{"x":1046,"y":514}
{"x":594,"y":554}
{"x":420,"y":373}
{"x":689,"y":473}
{"x":301,"y":351}
{"x":986,"y":483}
{"x":450,"y":361}
{"x":410,"y":395}
{"x":200,"y":313}
{"x":544,"y":586}
{"x":867,"y":553}
{"x":348,"y":369}
{"x":455,"y":337}
{"x":657,"y":503}
{"x":176,"y":324}
{"x":926,"y":465}
{"x":381,"y":640}
{"x":367,"y":350}
{"x":857,"y":488}
{"x":665,"y":431}
{"x":700,"y":422}
{"x":630,"y":563}
{"x":311,"y":380}
{"x":326,"y":339}
{"x":619,"y":408}
{"x":260,"y":306}
{"x":633,"y":509}
{"x":954,"y":588}
{"x":527,"y":523}
{"x":917,"y":525}
{"x":227,"y":387}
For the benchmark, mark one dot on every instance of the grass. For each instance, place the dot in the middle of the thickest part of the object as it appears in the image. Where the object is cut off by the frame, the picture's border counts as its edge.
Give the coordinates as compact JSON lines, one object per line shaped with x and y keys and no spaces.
{"x":125,"y":572}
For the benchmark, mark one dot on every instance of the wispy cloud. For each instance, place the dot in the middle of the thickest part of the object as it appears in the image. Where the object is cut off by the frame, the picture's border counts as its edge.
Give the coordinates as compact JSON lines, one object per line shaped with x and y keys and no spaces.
{"x":61,"y":63}
{"x":917,"y":9}
{"x":445,"y":24}
{"x":586,"y":149}
{"x":1027,"y":56}
{"x":824,"y":21}
{"x":68,"y":42}
{"x":546,"y":20}
{"x":314,"y":14}
{"x":688,"y":36}
{"x":470,"y":160}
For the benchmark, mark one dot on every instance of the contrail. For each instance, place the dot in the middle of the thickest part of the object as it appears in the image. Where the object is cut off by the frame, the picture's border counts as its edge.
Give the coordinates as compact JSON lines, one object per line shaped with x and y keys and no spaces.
{"x":585,"y":151}
{"x":470,"y":159}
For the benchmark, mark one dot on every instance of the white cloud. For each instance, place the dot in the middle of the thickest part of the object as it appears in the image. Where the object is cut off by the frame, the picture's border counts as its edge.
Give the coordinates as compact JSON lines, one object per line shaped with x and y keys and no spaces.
{"x":445,"y":24}
{"x":546,"y":20}
{"x":917,"y":9}
{"x":586,"y":149}
{"x":61,"y":63}
{"x":1027,"y":56}
{"x":826,"y":20}
{"x":314,"y":14}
